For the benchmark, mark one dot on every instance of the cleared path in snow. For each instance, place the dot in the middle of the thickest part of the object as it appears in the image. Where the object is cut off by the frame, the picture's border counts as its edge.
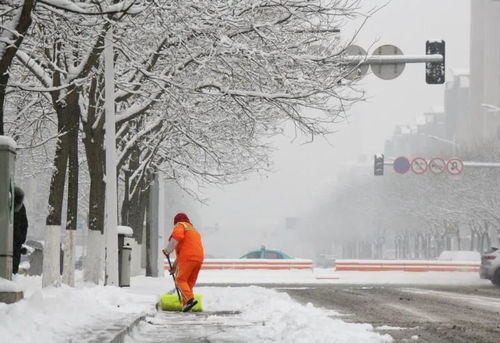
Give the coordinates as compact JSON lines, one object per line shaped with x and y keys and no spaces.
{"x":189,"y":327}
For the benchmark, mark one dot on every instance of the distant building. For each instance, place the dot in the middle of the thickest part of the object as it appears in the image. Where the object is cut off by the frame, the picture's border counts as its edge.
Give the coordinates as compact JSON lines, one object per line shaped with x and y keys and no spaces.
{"x":457,"y":106}
{"x":484,"y":120}
{"x":426,"y":139}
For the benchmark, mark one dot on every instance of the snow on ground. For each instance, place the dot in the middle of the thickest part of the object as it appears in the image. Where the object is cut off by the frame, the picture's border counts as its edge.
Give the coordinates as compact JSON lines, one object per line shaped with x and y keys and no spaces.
{"x":277,"y":318}
{"x":58,"y":314}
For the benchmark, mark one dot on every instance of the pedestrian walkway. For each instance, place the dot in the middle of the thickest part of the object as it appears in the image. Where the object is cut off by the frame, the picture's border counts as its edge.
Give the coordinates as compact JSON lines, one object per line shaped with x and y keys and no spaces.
{"x":220,"y":327}
{"x":113,"y":331}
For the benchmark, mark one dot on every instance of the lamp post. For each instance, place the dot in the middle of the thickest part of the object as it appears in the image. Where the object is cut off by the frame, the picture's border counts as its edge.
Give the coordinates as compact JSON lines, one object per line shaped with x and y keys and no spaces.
{"x":111,"y":212}
{"x":491,"y":108}
{"x":443,"y":140}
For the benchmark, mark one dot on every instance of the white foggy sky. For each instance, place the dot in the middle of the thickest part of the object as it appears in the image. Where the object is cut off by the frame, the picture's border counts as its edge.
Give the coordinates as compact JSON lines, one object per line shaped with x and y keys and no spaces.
{"x":249,"y":212}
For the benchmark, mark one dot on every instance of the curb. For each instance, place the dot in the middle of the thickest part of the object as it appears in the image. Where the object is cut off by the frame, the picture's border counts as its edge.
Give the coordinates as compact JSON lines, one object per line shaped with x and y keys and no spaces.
{"x":120,"y":335}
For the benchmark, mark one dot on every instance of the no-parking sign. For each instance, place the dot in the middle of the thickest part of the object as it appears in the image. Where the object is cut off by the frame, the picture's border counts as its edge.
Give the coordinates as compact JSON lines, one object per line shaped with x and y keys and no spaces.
{"x":401,"y":165}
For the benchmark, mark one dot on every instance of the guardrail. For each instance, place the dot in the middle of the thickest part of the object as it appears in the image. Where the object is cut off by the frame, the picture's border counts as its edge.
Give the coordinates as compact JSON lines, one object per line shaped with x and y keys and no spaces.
{"x":271,"y":264}
{"x":407,"y":265}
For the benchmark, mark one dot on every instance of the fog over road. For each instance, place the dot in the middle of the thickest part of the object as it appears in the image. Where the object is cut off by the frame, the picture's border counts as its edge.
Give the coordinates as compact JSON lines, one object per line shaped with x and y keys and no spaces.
{"x":433,"y":313}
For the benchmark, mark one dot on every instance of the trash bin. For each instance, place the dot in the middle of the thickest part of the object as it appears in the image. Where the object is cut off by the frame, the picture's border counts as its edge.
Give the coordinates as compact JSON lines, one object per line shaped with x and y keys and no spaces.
{"x":124,"y":255}
{"x":125,"y":258}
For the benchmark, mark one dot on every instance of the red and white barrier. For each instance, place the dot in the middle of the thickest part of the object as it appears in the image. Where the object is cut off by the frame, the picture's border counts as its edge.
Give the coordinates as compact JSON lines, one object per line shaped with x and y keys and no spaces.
{"x":407,"y":265}
{"x":270,"y":264}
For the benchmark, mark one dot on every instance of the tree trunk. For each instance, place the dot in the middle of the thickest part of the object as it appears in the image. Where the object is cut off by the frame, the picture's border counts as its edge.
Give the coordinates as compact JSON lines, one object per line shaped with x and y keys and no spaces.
{"x":94,"y":149}
{"x":51,"y":258}
{"x":4,"y":80}
{"x":132,"y":208}
{"x":95,"y":155}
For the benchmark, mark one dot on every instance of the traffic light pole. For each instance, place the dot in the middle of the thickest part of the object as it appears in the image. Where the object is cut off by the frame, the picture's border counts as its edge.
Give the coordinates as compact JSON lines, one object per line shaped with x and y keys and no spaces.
{"x":388,"y":62}
{"x":392,"y":59}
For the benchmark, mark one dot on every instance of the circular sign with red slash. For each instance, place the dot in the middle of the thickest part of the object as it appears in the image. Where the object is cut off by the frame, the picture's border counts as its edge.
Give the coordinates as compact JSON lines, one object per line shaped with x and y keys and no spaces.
{"x":419,"y":165}
{"x":455,"y":166}
{"x":437,"y":165}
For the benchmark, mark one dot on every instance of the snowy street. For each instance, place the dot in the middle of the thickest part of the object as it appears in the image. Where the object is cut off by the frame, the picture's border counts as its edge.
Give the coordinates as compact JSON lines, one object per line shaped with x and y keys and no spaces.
{"x":431,"y":313}
{"x":265,"y":306}
{"x":388,"y":306}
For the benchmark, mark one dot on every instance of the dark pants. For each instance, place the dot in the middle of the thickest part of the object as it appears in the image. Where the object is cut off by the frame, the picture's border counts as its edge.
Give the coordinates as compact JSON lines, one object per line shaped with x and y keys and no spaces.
{"x":16,"y":259}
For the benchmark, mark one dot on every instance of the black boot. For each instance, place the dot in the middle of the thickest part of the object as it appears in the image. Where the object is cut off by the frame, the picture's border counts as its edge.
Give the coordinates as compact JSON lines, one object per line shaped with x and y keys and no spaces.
{"x":189,"y":305}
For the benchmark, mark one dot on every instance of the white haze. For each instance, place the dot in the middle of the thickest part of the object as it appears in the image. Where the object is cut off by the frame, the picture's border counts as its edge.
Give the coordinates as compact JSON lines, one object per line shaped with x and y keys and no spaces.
{"x":253,"y":213}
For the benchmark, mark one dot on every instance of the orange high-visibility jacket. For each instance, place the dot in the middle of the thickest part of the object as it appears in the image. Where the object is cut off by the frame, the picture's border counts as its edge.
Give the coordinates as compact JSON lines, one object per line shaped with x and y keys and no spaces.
{"x":189,"y":246}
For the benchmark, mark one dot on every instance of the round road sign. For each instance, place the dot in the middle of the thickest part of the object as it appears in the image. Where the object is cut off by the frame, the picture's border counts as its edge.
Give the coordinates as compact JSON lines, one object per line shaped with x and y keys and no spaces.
{"x":419,"y":165}
{"x":357,"y":71}
{"x":455,"y":166}
{"x":388,"y":71}
{"x":437,"y":165}
{"x":401,"y":165}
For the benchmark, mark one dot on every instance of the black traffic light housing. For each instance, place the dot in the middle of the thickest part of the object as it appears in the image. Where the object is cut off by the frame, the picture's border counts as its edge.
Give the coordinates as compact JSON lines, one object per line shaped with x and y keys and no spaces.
{"x":434,"y":71}
{"x":378,"y":165}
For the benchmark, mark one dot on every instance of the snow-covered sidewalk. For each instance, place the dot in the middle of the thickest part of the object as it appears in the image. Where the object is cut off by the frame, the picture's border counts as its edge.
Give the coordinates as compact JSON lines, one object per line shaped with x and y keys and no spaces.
{"x":86,"y":313}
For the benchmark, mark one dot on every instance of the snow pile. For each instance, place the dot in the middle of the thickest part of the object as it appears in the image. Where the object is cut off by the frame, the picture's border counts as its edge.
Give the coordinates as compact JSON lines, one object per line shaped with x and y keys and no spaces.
{"x":61,"y":314}
{"x":8,"y":286}
{"x":5,"y":140}
{"x":275,"y":317}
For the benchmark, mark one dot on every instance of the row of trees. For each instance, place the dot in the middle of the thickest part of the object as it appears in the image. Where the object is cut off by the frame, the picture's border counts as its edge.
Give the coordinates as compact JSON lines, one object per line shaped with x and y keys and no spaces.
{"x":199,"y":88}
{"x":415,"y":216}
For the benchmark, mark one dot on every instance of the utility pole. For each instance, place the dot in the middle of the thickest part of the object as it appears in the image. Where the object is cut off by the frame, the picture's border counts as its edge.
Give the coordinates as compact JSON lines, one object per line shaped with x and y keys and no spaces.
{"x":111,"y":208}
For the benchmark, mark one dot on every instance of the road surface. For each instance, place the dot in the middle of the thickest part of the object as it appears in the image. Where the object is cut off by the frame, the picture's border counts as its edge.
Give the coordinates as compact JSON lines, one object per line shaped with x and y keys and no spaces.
{"x":433,"y":314}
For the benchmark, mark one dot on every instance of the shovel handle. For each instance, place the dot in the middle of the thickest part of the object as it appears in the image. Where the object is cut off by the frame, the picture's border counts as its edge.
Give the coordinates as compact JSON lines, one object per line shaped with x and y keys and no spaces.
{"x":173,"y":277}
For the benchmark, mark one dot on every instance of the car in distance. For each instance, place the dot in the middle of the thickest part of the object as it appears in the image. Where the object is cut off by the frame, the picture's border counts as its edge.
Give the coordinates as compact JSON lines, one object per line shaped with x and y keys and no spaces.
{"x":490,"y":266}
{"x":264,"y":253}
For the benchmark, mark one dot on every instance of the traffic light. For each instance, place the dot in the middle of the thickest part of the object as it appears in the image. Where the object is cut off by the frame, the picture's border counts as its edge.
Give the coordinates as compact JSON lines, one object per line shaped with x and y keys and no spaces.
{"x":434,"y":71}
{"x":378,"y":165}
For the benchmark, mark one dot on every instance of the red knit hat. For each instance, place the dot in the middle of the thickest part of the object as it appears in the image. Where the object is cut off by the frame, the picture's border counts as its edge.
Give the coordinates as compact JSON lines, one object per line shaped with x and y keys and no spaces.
{"x":181,"y":217}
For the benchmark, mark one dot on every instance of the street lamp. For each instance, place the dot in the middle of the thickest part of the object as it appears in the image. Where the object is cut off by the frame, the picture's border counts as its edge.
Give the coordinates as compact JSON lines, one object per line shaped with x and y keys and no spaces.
{"x":110,"y":207}
{"x":443,"y":140}
{"x":491,"y":108}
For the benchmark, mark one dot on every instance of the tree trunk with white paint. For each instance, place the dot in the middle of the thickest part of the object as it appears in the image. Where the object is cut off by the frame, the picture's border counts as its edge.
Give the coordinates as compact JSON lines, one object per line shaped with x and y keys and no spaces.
{"x":94,"y":260}
{"x":68,"y":277}
{"x":51,"y":256}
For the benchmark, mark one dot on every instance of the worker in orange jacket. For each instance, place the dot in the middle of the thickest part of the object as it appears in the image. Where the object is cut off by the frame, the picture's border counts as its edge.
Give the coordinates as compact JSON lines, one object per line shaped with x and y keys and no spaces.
{"x":186,"y":241}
